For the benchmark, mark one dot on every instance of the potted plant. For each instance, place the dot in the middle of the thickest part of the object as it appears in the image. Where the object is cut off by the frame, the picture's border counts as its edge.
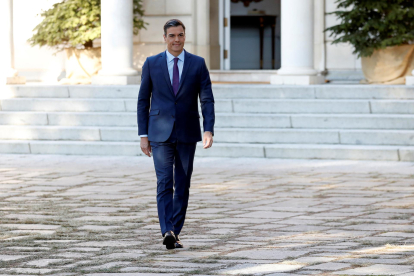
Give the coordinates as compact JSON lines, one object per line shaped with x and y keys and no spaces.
{"x":381,"y":32}
{"x":73,"y":25}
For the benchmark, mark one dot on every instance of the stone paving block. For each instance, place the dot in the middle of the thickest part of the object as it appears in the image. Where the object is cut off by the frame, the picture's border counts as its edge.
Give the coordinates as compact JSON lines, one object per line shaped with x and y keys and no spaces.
{"x":378,"y":227}
{"x":242,"y":220}
{"x":102,"y":196}
{"x":267,"y":226}
{"x":267,"y":215}
{"x":33,"y":270}
{"x":6,"y":258}
{"x":187,"y":265}
{"x":100,"y":209}
{"x":398,"y":234}
{"x":108,"y":218}
{"x":44,"y":262}
{"x":107,"y":265}
{"x":98,"y":227}
{"x":268,"y":254}
{"x":259,"y":269}
{"x":329,"y":266}
{"x":182,"y":254}
{"x":29,"y":231}
{"x":303,"y":228}
{"x":117,"y":243}
{"x":26,"y":248}
{"x":29,"y":216}
{"x":56,"y":241}
{"x":282,"y":274}
{"x":85,"y":249}
{"x":210,"y":210}
{"x":377,"y":269}
{"x":150,"y":270}
{"x":20,"y":237}
{"x":130,"y":254}
{"x":224,"y":231}
{"x":132,"y":274}
{"x":31,"y":226}
{"x":77,"y":264}
{"x":311,"y":260}
{"x":374,"y":260}
{"x":73,"y":255}
{"x":308,"y":272}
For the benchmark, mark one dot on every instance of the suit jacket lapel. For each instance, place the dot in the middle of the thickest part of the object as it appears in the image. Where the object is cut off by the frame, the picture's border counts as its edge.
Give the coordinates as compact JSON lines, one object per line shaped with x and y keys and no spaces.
{"x":165,"y":71}
{"x":187,"y":63}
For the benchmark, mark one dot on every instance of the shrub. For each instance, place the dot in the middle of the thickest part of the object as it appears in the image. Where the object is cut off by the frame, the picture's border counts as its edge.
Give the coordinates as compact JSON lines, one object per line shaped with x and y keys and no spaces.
{"x":370,"y":25}
{"x":75,"y":23}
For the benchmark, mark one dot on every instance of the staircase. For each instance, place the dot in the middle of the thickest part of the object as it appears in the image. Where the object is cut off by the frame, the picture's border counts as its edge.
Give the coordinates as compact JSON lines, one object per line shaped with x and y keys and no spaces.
{"x":354,"y":122}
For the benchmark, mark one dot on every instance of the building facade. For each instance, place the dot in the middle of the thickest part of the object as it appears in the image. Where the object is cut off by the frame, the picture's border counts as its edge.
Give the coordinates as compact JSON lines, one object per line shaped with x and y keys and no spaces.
{"x":284,"y":36}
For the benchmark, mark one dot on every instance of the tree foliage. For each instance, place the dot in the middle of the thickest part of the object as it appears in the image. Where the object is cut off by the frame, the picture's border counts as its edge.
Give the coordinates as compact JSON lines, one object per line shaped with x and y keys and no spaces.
{"x":76,"y":23}
{"x":370,"y":25}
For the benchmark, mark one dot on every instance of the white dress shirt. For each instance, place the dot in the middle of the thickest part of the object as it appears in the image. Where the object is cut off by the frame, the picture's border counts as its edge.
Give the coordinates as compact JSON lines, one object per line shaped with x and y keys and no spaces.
{"x":170,"y":64}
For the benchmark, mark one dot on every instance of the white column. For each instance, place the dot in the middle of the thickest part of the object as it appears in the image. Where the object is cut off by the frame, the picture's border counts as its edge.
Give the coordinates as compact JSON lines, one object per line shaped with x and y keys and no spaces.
{"x":117,"y":44}
{"x":201,"y":23}
{"x":409,"y":80}
{"x":9,"y":73}
{"x":297,"y":44}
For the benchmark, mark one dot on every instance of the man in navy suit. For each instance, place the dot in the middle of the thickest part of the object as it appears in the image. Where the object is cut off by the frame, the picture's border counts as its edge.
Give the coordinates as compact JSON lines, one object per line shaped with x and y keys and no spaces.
{"x":169,"y":124}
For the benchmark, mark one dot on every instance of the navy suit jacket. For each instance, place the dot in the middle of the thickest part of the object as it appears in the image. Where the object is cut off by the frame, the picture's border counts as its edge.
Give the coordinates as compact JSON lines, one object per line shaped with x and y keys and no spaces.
{"x":158,"y":108}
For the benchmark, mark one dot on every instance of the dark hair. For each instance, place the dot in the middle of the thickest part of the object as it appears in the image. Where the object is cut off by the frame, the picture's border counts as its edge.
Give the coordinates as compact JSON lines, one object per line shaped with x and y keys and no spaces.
{"x":173,"y":23}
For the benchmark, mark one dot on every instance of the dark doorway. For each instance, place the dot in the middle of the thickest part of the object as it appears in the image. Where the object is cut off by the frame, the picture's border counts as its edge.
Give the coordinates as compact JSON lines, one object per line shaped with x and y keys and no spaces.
{"x":252,"y":36}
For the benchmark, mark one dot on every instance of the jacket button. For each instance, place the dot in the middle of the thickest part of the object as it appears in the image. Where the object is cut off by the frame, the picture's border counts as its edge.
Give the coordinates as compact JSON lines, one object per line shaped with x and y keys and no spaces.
{"x":172,"y":116}
{"x":175,"y":102}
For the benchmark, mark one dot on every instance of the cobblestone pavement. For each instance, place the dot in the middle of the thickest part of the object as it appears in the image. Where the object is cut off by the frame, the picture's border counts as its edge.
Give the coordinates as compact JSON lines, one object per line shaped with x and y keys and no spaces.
{"x":72,"y":215}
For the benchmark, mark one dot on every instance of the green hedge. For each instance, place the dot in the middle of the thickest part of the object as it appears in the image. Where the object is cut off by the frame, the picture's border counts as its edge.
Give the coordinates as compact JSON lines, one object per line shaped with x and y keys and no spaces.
{"x":370,"y":25}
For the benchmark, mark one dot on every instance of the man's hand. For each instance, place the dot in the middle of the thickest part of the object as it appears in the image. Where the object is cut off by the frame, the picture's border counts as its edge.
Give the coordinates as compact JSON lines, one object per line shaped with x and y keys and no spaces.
{"x":145,"y":146}
{"x":207,"y":139}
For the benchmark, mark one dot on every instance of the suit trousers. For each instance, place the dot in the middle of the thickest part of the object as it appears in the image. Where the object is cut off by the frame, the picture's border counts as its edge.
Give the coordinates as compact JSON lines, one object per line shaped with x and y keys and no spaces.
{"x":173,"y":162}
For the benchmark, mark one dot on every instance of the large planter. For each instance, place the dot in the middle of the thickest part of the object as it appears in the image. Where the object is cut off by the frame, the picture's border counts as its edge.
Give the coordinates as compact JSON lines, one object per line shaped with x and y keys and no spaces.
{"x":81,"y":65}
{"x":389,"y":66}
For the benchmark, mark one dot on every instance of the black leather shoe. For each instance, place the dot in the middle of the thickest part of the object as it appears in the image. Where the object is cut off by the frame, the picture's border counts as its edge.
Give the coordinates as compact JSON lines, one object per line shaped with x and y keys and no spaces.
{"x":178,"y":243}
{"x":169,"y":240}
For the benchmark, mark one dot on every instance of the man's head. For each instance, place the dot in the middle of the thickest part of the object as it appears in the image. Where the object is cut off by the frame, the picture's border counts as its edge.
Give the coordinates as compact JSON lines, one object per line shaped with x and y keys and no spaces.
{"x":174,"y":36}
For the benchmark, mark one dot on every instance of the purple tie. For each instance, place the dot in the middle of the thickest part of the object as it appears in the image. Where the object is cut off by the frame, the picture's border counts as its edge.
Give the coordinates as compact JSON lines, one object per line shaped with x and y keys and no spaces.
{"x":176,"y":77}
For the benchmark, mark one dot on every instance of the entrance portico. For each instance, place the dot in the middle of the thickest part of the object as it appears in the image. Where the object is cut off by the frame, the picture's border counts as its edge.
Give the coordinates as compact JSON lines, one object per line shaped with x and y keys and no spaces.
{"x":295,"y":39}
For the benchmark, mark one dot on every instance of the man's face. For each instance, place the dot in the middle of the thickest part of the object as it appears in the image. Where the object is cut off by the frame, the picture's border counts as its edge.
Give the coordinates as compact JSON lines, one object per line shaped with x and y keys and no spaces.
{"x":175,"y":39}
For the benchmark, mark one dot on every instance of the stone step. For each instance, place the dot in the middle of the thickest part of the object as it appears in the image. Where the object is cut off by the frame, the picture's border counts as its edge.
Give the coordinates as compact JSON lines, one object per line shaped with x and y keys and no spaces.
{"x":322,"y":106}
{"x":292,"y":151}
{"x":236,"y":106}
{"x":262,"y":76}
{"x":315,"y":136}
{"x":70,"y":91}
{"x":84,"y":105}
{"x":323,"y":91}
{"x":222,"y":135}
{"x":233,"y":120}
{"x":221,"y":91}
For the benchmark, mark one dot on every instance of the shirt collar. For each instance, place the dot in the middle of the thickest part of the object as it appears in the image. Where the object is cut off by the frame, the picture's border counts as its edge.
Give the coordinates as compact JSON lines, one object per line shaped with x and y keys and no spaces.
{"x":170,"y":57}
